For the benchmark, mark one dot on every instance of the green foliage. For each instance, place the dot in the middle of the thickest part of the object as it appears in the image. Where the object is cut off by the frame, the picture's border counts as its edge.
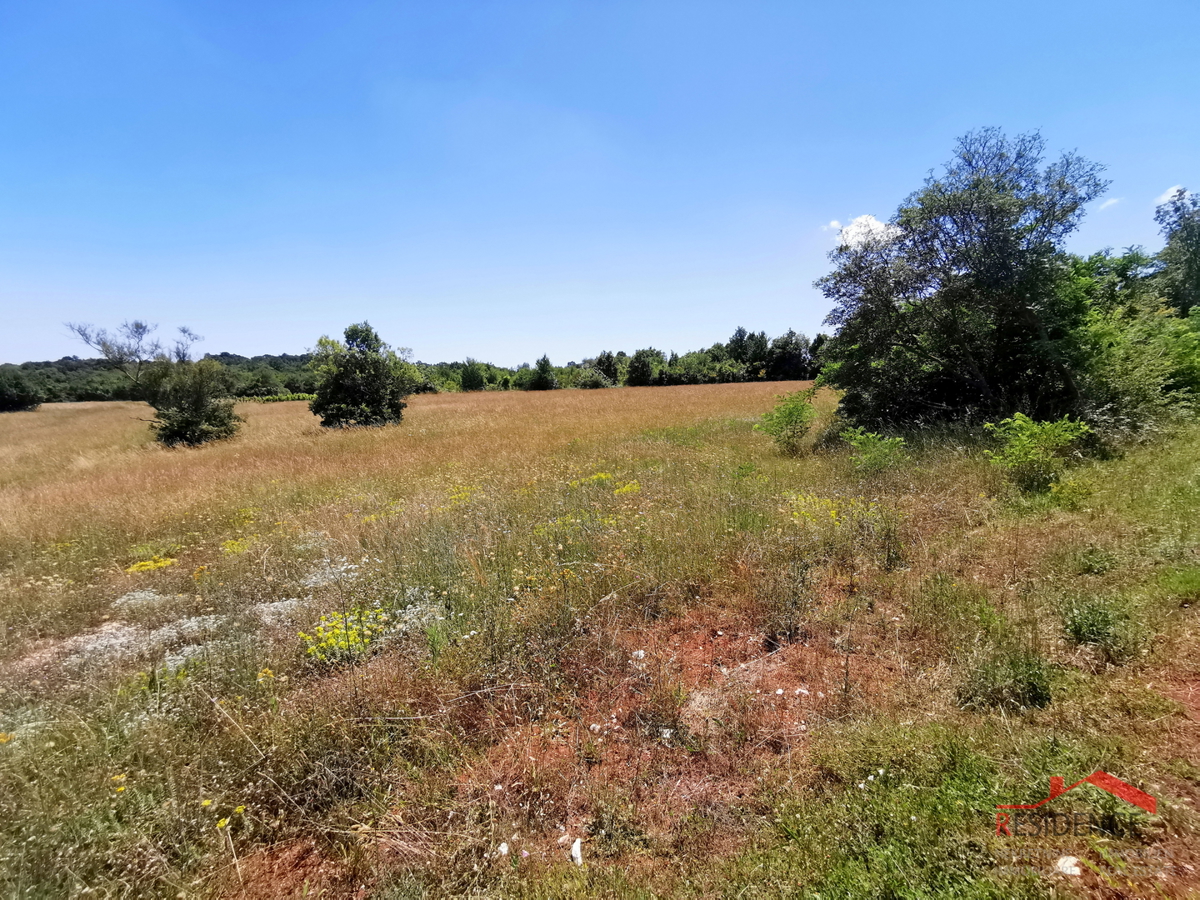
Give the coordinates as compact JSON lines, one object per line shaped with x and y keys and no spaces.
{"x":874,"y":453}
{"x":1141,"y":366}
{"x":606,"y":365}
{"x":282,"y":398}
{"x":1007,"y":678}
{"x":1179,"y":279}
{"x":343,"y":637}
{"x":1034,"y":454}
{"x":593,"y":378}
{"x":191,"y":403}
{"x":473,"y":377}
{"x":788,"y":423}
{"x":952,"y":310}
{"x":361,"y":382}
{"x":643,"y":366}
{"x":542,"y":377}
{"x":16,"y":392}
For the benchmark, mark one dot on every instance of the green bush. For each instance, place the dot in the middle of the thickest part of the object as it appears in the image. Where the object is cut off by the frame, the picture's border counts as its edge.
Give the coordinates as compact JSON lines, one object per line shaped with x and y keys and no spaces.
{"x":592,"y":379}
{"x":16,"y":393}
{"x":1034,"y":454}
{"x":362,"y":382}
{"x":789,"y":421}
{"x":874,"y":453}
{"x":191,"y":403}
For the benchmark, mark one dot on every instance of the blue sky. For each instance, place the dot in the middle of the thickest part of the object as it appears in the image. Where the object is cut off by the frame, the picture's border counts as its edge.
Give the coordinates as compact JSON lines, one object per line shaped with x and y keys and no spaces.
{"x":506,"y":179}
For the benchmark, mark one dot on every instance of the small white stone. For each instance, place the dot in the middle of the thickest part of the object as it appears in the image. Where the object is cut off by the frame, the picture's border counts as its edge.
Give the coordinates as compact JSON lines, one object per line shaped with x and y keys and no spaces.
{"x":1068,"y":865}
{"x":779,"y":690}
{"x":503,"y":849}
{"x":577,"y":852}
{"x":638,"y":654}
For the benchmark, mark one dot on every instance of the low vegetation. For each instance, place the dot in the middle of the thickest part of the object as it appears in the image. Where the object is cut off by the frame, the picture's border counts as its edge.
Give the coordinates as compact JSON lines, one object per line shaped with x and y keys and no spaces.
{"x":428,"y":659}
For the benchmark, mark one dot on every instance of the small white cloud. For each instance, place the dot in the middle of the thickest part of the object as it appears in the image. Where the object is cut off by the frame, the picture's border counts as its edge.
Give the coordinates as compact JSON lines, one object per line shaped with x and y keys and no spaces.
{"x":835,"y":225}
{"x":1112,"y":201}
{"x":1167,"y":194}
{"x":867,"y":229}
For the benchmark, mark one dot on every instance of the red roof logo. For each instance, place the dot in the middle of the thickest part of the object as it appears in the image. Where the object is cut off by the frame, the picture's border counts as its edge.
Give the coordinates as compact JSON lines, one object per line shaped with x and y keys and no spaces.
{"x":1102,"y":780}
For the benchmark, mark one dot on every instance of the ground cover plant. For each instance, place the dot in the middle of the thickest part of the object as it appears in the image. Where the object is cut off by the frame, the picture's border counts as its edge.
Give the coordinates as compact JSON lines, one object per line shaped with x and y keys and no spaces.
{"x":621,"y":627}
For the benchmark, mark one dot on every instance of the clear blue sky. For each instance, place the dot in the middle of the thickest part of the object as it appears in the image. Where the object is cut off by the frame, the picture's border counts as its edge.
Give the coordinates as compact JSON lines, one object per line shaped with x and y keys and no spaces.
{"x":502,"y":179}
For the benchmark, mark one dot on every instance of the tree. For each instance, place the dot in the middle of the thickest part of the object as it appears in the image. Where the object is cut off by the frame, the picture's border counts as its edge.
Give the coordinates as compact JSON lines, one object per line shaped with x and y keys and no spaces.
{"x":787,"y":358}
{"x":543,"y":377}
{"x":1179,"y":279}
{"x":954,"y":309}
{"x":361,"y":382}
{"x":473,"y":377}
{"x":191,"y":400}
{"x":606,"y":365}
{"x":16,"y":392}
{"x":643,"y":367}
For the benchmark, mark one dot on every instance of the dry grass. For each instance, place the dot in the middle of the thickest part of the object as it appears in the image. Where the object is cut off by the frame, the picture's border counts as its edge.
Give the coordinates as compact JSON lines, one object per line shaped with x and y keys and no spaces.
{"x":609,"y":618}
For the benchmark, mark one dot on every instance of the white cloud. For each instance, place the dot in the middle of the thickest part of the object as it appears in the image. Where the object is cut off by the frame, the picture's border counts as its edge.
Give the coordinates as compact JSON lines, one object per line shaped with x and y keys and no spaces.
{"x":835,"y":225}
{"x":867,"y":229}
{"x":1167,"y":194}
{"x":1112,"y":201}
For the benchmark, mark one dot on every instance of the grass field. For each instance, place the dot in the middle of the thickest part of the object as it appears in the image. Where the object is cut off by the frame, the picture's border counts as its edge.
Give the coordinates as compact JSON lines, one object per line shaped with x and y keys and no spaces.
{"x":427,"y":660}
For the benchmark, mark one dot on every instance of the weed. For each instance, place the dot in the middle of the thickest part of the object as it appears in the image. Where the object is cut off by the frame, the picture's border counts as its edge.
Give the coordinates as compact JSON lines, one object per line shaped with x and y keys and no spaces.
{"x":788,"y":423}
{"x":1034,"y":454}
{"x":874,"y":453}
{"x":1007,"y":678}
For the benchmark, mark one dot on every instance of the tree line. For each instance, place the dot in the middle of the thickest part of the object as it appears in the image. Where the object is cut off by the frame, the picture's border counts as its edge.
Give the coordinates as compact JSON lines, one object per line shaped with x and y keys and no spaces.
{"x":748,"y":356}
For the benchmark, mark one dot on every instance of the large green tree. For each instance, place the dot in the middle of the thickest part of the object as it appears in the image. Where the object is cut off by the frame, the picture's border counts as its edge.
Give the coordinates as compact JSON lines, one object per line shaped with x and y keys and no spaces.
{"x":1179,"y":279}
{"x":954,"y":309}
{"x":360,"y":381}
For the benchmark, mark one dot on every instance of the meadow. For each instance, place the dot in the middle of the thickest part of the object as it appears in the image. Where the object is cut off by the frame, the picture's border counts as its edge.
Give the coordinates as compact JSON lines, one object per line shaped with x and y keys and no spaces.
{"x":598,"y":643}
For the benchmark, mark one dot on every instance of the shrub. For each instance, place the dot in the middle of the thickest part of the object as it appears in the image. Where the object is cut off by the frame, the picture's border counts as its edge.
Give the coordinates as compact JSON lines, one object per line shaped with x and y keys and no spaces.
{"x":361,"y":382}
{"x":16,"y":393}
{"x":593,"y":378}
{"x":1009,"y":679}
{"x":1034,"y":454}
{"x":789,"y":421}
{"x":874,"y":453}
{"x":191,"y":403}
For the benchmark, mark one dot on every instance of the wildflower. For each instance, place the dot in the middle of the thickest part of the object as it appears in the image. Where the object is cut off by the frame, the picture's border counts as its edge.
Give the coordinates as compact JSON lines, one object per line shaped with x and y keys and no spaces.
{"x":5,"y":737}
{"x":206,"y":803}
{"x":222,"y":823}
{"x":239,"y":809}
{"x":266,"y":674}
{"x":119,"y":778}
{"x":120,"y":788}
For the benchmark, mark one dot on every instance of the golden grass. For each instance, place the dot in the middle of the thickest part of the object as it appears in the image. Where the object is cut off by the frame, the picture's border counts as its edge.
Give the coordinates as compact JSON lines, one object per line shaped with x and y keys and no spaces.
{"x":94,"y":464}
